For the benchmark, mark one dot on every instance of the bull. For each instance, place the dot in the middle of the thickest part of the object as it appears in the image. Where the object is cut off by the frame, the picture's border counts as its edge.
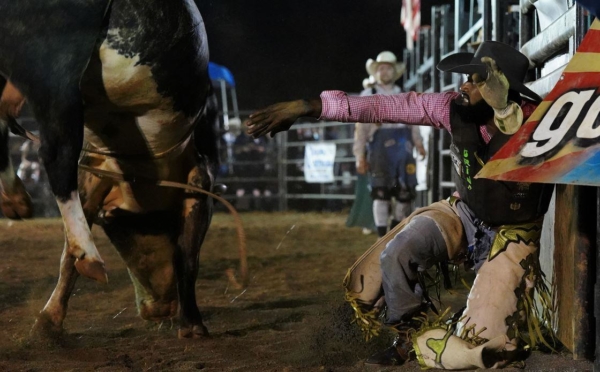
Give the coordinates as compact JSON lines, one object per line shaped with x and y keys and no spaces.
{"x":120,"y":87}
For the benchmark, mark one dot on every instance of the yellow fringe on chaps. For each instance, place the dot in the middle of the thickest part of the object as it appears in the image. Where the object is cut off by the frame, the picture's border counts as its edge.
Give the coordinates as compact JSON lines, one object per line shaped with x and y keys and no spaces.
{"x":363,"y":280}
{"x":501,"y":314}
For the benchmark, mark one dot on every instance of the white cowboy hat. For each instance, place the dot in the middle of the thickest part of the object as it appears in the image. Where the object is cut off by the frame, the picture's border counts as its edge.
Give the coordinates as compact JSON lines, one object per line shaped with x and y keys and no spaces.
{"x":386,"y":57}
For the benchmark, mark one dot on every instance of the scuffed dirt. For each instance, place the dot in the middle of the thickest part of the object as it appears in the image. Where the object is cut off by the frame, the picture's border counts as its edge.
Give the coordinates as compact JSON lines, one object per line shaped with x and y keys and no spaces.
{"x":290,"y":318}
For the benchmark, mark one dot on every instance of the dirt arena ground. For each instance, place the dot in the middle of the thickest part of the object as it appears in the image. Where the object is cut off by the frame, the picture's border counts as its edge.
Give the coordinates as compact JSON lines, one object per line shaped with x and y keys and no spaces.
{"x":290,"y":318}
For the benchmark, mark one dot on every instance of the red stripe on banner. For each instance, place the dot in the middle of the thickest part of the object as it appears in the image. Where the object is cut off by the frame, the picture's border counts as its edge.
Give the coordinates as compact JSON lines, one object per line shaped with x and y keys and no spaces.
{"x":590,"y":43}
{"x":549,"y":171}
{"x":518,"y":140}
{"x":574,"y":81}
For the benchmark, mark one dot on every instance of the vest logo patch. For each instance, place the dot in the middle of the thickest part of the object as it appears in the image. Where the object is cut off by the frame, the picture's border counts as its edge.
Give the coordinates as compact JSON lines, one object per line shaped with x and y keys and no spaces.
{"x":515,"y":206}
{"x":411,"y":169}
{"x":467,"y":175}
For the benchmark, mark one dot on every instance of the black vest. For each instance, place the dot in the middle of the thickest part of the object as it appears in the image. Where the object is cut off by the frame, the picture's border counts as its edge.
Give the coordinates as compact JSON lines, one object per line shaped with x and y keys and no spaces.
{"x":494,"y":202}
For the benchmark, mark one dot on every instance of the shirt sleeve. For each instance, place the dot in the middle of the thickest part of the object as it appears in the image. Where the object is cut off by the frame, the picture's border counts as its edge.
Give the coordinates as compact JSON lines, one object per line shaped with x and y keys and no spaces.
{"x":432,"y":109}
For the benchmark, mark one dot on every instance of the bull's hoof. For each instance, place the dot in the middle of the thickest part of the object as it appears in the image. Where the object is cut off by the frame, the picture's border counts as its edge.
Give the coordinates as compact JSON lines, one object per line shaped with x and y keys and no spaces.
{"x":44,"y":329}
{"x":92,"y":268}
{"x":196,"y":331}
{"x":158,"y":311}
{"x":18,"y":205}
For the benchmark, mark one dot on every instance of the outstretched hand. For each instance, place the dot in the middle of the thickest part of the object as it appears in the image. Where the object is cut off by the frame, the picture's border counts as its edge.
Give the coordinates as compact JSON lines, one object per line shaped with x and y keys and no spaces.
{"x":494,"y":89}
{"x":280,"y":117}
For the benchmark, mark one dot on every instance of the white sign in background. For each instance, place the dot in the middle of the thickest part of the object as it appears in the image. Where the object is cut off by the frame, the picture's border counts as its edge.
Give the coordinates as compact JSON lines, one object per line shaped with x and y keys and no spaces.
{"x":318,"y":162}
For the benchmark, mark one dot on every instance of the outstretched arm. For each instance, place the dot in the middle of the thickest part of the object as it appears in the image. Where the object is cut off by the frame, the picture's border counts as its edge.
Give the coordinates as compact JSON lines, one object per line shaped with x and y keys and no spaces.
{"x":409,"y":108}
{"x":280,"y":116}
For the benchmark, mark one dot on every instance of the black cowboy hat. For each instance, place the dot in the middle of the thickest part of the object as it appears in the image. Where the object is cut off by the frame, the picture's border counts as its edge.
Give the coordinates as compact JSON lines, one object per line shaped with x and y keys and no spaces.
{"x":510,"y":61}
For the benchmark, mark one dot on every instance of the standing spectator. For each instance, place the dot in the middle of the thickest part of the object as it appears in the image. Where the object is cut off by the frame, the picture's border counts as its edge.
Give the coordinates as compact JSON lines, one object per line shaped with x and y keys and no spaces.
{"x":251,"y":153}
{"x":385,"y":151}
{"x":35,"y":181}
{"x":361,"y":213}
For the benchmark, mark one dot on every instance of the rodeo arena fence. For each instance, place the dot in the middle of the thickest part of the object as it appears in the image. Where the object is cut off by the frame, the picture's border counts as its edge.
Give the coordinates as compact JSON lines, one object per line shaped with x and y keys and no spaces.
{"x":311,"y":167}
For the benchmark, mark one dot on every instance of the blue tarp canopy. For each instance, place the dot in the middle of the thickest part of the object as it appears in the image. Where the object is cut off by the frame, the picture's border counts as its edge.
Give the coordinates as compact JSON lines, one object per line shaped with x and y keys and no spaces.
{"x":218,"y":72}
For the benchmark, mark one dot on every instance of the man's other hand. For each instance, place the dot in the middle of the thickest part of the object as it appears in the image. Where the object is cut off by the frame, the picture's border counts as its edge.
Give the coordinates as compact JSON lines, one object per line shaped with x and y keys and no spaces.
{"x":362,"y":167}
{"x":422,"y":152}
{"x":280,"y":116}
{"x":494,"y":89}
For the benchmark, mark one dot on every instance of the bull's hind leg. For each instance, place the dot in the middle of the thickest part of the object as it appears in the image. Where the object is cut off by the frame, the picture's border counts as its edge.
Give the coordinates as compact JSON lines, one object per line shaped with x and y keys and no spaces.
{"x":15,"y":202}
{"x":50,"y":320}
{"x":49,"y":323}
{"x":61,"y":134}
{"x":197,"y":213}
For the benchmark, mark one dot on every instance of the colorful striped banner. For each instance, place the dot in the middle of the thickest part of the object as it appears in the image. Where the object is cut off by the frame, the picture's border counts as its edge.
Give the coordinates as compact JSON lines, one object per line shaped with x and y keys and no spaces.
{"x":560,"y":143}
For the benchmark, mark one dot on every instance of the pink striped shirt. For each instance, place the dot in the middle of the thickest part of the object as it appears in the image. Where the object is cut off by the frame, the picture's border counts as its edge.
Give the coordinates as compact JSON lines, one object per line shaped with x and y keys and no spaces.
{"x":432,"y":109}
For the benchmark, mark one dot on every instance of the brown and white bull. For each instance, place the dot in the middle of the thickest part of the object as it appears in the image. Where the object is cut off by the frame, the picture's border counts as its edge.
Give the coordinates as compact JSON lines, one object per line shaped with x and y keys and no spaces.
{"x":127,"y":78}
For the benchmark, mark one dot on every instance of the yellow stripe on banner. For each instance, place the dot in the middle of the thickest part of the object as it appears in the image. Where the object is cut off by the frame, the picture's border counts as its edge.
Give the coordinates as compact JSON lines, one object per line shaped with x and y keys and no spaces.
{"x":495,"y":168}
{"x":584,"y":62}
{"x":595,"y":25}
{"x":539,"y":112}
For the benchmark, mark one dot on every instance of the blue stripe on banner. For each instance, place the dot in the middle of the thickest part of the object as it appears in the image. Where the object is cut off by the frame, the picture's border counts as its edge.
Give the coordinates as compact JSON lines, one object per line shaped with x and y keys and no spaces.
{"x":587,"y":173}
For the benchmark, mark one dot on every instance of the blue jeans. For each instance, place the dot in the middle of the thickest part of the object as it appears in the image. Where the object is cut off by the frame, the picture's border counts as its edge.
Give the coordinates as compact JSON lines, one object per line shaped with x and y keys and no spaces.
{"x":418,"y":246}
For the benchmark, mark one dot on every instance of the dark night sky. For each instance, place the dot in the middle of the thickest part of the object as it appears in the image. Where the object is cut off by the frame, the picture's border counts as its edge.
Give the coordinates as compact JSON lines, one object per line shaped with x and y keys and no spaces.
{"x":287,"y":49}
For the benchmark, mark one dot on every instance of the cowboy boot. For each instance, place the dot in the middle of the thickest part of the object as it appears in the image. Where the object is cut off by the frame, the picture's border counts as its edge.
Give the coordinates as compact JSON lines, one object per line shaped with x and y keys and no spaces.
{"x":399,"y":352}
{"x":396,"y":354}
{"x":439,"y":348}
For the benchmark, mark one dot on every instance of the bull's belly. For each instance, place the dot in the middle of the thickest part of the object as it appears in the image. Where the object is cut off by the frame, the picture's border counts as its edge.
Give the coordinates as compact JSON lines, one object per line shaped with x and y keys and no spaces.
{"x":142,"y":195}
{"x":129,"y":197}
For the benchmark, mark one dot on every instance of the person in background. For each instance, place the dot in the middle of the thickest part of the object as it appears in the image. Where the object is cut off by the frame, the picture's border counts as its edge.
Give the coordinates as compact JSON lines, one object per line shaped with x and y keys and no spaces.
{"x":251,"y":152}
{"x":361,"y":213}
{"x":384,"y":151}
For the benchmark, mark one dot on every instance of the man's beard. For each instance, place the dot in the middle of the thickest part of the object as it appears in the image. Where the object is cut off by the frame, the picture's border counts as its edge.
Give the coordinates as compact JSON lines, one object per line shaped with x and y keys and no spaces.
{"x":478,"y":114}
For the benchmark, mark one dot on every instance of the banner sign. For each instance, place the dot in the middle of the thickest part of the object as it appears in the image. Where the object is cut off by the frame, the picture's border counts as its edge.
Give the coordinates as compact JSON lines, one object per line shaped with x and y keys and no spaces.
{"x":560,"y":143}
{"x":318,"y":162}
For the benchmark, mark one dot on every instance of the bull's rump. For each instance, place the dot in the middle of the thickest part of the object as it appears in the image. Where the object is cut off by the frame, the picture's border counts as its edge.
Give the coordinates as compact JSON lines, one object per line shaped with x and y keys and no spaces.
{"x":147,"y":81}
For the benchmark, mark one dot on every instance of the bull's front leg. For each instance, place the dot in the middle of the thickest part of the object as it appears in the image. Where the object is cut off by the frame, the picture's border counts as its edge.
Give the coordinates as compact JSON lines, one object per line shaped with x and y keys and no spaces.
{"x":61,"y":134}
{"x":197,"y":213}
{"x":15,"y":202}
